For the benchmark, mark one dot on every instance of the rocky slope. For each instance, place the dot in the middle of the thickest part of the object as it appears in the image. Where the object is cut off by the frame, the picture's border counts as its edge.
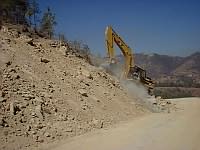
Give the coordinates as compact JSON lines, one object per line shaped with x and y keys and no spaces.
{"x":48,"y":93}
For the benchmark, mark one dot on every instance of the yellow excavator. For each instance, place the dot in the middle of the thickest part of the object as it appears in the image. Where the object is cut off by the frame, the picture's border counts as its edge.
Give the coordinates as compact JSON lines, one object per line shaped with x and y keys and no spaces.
{"x":130,"y":70}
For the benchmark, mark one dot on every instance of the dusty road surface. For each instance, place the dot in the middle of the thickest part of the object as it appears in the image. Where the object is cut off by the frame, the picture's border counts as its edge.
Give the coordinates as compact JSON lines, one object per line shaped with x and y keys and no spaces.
{"x":178,"y":130}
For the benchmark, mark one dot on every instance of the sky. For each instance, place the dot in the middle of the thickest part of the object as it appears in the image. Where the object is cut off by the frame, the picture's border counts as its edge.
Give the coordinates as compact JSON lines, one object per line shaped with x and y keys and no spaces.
{"x":170,"y":27}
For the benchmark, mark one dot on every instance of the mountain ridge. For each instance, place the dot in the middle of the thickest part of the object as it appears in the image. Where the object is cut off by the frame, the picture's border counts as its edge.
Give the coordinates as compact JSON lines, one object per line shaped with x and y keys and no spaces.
{"x":160,"y":65}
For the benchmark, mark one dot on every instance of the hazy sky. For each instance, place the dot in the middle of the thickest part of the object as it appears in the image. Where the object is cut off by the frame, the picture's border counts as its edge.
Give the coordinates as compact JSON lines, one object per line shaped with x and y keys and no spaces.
{"x":150,"y":26}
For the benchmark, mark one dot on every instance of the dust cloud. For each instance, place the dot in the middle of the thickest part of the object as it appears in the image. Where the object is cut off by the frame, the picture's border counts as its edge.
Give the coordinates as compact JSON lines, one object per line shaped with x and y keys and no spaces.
{"x":133,"y":87}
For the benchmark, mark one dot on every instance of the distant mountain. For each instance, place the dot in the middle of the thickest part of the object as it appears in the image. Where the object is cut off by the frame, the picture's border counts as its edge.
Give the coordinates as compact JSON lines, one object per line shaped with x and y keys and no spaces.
{"x":159,"y":65}
{"x":169,"y":71}
{"x":190,"y":65}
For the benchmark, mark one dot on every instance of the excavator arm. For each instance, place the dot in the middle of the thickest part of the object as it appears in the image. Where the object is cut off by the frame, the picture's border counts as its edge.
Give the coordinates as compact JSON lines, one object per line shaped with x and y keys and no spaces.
{"x":131,"y":71}
{"x":111,"y":38}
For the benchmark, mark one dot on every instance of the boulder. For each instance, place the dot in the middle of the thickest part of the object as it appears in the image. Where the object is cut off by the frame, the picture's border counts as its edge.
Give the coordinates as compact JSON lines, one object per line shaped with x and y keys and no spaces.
{"x":2,"y":122}
{"x":12,"y":108}
{"x":54,"y":44}
{"x":39,"y":112}
{"x":86,"y":73}
{"x":68,"y":129}
{"x":2,"y":99}
{"x":83,"y":92}
{"x":44,"y":60}
{"x":47,"y":134}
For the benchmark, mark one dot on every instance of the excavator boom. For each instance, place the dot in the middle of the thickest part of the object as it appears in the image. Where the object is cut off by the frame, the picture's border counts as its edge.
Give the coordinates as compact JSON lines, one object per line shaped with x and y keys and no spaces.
{"x":111,"y":38}
{"x":131,"y":71}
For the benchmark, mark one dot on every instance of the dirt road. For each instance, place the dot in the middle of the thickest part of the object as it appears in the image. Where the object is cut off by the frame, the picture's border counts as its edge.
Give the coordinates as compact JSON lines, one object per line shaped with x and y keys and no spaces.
{"x":178,"y":130}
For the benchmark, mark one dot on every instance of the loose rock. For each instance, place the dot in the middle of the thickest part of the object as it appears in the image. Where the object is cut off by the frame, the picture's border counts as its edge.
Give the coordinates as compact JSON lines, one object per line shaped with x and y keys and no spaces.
{"x":2,"y":122}
{"x":12,"y":108}
{"x":44,"y":60}
{"x":68,"y":129}
{"x":39,"y":112}
{"x":86,"y":73}
{"x":83,"y":92}
{"x":47,"y":134}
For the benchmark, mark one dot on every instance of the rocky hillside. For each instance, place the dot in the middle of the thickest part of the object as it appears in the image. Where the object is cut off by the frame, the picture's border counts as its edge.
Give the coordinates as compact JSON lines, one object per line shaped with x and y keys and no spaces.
{"x":48,"y":93}
{"x":158,"y":65}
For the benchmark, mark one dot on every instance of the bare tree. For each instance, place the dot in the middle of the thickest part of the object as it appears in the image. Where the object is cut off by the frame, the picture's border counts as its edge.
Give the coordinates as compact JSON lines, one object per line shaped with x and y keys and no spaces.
{"x":47,"y":23}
